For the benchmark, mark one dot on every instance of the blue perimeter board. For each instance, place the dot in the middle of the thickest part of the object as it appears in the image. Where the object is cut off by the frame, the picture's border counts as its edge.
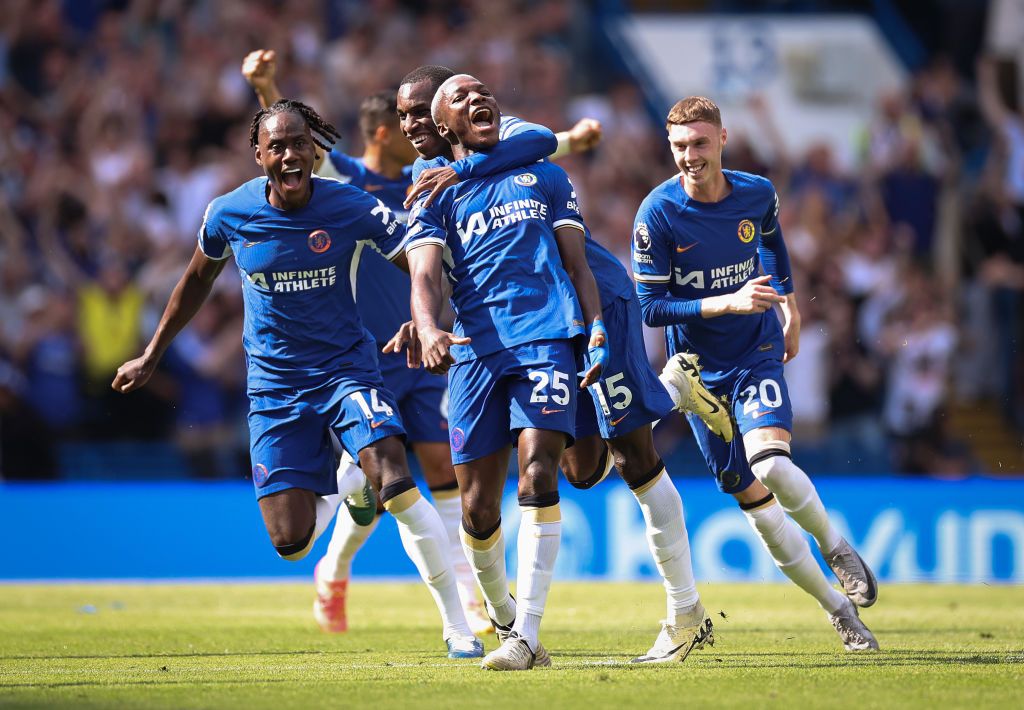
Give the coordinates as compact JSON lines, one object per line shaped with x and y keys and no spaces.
{"x":909,"y":530}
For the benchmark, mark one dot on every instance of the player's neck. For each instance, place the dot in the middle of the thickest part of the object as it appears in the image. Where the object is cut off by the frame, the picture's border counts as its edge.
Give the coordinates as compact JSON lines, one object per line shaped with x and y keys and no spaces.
{"x":277,"y":201}
{"x":375,"y":160}
{"x":714,"y":190}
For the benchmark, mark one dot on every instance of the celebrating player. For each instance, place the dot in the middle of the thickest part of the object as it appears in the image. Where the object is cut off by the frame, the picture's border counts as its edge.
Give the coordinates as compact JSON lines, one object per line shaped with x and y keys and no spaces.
{"x":629,"y":397}
{"x":312,"y":369}
{"x":382,"y":300}
{"x":698,"y":240}
{"x":512,"y":247}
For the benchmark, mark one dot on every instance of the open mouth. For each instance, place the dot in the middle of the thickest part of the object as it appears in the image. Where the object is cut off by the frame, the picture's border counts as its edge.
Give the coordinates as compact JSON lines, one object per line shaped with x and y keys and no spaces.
{"x":696,"y":170}
{"x":292,"y":178}
{"x":482,"y":117}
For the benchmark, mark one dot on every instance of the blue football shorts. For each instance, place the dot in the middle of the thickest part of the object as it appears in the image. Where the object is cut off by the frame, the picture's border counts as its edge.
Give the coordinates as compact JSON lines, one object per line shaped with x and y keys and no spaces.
{"x":494,"y":397}
{"x":629,"y":394}
{"x":292,"y":432}
{"x":759,"y":398}
{"x":422,"y":398}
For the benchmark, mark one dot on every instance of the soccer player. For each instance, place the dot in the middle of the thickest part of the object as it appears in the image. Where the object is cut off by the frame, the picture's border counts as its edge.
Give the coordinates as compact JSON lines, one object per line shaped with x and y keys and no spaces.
{"x":628,"y":399}
{"x":698,"y":241}
{"x":512,"y":248}
{"x":313,"y":373}
{"x":382,"y":300}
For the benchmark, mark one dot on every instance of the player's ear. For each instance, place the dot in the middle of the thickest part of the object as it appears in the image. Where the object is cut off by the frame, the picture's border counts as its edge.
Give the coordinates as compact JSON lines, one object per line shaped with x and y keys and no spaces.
{"x":381,"y":133}
{"x":445,"y":132}
{"x":725,"y":135}
{"x":259,"y":157}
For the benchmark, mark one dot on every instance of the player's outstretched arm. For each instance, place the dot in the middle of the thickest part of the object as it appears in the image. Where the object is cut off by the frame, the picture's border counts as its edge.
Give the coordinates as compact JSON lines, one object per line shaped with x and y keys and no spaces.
{"x":584,"y":136}
{"x":186,"y":299}
{"x":259,"y":68}
{"x":425,"y":304}
{"x":572,"y":250}
{"x":521,"y":144}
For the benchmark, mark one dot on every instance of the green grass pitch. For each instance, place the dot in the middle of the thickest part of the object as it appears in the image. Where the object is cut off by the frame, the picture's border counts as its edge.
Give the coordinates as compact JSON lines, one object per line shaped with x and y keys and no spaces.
{"x":256,"y":646}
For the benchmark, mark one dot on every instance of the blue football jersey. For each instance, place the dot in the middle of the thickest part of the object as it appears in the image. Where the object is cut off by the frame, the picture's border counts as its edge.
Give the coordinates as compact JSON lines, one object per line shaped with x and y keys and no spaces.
{"x":500,"y":254}
{"x":690,"y":250}
{"x":521,"y":144}
{"x":382,"y":291}
{"x":300,"y":318}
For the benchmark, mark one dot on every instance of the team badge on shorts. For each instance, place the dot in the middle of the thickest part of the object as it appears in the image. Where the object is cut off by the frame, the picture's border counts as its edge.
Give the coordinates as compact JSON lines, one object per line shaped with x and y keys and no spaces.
{"x":260,"y":474}
{"x":458,"y":438}
{"x":526,"y":179}
{"x":729,"y":479}
{"x":319,"y":241}
{"x":746,"y":231}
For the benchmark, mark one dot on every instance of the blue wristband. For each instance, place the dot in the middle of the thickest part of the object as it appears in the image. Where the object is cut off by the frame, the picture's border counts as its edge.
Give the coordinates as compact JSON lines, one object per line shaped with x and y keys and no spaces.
{"x":597,"y":355}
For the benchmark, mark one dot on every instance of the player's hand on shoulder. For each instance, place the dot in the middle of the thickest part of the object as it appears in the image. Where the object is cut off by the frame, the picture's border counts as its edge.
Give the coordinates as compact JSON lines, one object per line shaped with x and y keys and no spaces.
{"x":406,"y":337}
{"x":433,"y":181}
{"x":584,"y":135}
{"x":436,"y":344}
{"x":756,"y":296}
{"x":259,"y":67}
{"x":133,"y":374}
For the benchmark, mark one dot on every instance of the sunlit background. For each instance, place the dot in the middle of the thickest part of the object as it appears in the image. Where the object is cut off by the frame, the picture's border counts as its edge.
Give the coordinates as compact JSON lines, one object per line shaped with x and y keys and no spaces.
{"x":892,"y":130}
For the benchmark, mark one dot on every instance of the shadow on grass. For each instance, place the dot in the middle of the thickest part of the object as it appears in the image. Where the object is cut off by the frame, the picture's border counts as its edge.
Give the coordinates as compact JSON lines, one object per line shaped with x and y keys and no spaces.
{"x":708,"y":659}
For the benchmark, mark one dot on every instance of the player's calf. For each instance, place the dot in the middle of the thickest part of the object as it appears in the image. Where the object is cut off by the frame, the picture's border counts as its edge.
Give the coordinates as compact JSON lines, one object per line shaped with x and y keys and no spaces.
{"x":772,"y":464}
{"x":290,"y":519}
{"x":587,"y":462}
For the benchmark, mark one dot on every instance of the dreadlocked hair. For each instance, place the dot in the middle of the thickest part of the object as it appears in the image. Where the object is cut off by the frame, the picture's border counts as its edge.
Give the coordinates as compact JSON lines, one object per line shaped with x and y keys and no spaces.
{"x":323,"y":133}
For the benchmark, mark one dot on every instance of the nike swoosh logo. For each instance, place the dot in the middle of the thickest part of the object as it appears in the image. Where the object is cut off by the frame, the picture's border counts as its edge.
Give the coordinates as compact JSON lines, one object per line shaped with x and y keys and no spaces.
{"x":545,"y":410}
{"x":460,"y":198}
{"x":699,"y":639}
{"x":688,"y":247}
{"x":614,"y":422}
{"x":758,"y":415}
{"x":375,"y":424}
{"x":713,"y":403}
{"x":250,"y":244}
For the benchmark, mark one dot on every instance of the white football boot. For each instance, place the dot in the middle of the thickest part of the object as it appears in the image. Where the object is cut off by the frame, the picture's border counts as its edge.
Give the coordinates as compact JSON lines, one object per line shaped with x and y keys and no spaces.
{"x":682,"y":371}
{"x":853,"y":632}
{"x":514,"y":654}
{"x":858,"y":581}
{"x":675,"y":641}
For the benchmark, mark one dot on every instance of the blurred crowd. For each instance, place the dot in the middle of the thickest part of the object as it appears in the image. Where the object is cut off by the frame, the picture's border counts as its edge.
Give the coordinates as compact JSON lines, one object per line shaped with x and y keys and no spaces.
{"x":120,"y":121}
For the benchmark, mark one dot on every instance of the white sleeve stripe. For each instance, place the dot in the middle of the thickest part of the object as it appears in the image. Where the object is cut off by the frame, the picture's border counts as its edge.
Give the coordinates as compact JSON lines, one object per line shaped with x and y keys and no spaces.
{"x":424,"y":242}
{"x":569,"y":223}
{"x":222,"y":257}
{"x":390,"y":256}
{"x":651,"y":278}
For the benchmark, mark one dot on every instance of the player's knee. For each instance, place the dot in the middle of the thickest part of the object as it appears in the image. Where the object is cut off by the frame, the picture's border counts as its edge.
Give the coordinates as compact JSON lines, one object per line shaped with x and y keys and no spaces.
{"x":765,"y":458}
{"x":480,"y":515}
{"x":538,"y":472}
{"x":586,"y":463}
{"x":384,"y":459}
{"x":635,"y":461}
{"x":291,"y":544}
